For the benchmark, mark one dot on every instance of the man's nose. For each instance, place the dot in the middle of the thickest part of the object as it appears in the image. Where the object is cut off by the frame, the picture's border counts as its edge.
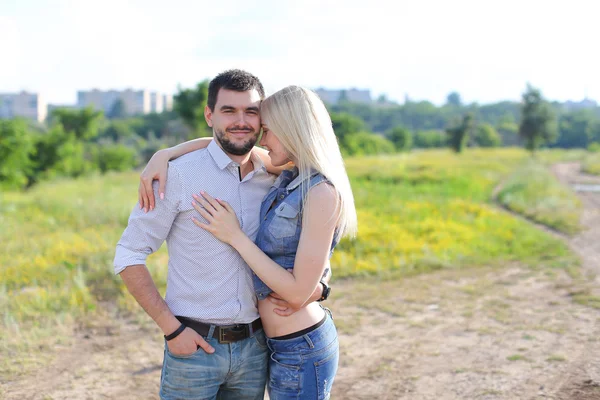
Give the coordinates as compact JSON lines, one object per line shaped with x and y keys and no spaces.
{"x":242,"y":118}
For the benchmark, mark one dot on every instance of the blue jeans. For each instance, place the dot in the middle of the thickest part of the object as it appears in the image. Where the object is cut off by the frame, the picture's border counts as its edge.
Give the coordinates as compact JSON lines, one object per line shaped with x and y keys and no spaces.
{"x":235,"y":370}
{"x":304,"y":367}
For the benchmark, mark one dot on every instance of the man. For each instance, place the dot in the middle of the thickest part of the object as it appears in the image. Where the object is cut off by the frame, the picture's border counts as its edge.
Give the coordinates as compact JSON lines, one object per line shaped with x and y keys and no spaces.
{"x":215,"y":345}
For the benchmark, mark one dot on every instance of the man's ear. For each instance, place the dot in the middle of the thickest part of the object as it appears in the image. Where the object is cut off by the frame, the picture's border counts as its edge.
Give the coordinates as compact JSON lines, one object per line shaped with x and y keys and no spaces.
{"x":208,"y":116}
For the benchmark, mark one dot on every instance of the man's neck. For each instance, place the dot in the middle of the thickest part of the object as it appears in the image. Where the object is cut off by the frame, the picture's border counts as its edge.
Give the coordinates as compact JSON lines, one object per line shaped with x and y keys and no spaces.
{"x":245,"y":162}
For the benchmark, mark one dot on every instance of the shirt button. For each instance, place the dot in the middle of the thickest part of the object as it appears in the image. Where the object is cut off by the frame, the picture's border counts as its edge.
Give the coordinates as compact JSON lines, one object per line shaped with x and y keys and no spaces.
{"x":282,"y":197}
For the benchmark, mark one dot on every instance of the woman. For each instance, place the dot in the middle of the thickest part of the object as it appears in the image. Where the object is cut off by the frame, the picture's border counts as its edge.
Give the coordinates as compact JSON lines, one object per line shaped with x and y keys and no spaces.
{"x":308,"y":209}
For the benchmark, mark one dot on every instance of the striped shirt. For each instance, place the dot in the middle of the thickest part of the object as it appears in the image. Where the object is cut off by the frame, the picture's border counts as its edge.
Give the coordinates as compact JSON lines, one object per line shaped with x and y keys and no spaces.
{"x":207,"y":279}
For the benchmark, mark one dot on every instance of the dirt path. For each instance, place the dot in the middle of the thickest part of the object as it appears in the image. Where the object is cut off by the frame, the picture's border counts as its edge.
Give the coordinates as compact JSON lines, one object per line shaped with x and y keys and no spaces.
{"x":510,"y":333}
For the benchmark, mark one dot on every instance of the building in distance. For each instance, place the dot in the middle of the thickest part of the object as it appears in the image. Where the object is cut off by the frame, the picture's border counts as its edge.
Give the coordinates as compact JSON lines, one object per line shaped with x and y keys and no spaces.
{"x":26,"y":105}
{"x":132,"y":101}
{"x":351,"y":95}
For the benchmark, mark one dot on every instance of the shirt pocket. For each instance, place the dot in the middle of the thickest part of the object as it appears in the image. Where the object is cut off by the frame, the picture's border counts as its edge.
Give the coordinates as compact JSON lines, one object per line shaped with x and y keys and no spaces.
{"x":285,"y":221}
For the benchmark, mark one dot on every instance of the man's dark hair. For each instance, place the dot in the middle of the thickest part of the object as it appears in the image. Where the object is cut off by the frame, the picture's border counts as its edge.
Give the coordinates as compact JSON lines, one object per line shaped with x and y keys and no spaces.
{"x":236,"y":80}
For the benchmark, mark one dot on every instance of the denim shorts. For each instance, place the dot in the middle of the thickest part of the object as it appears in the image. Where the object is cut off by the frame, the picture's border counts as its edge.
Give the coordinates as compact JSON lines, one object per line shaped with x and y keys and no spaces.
{"x":304,"y":367}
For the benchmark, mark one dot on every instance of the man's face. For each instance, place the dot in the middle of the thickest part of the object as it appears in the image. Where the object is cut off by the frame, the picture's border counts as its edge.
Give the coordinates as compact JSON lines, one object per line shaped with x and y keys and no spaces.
{"x":235,"y":120}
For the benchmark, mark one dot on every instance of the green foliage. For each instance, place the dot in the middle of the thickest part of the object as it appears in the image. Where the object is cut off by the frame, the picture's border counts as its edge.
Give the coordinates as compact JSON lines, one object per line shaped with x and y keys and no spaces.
{"x":430,"y":139}
{"x":538,"y":121}
{"x":121,"y":129}
{"x":83,"y":123}
{"x":345,"y":124}
{"x":115,"y":158}
{"x":401,"y":137}
{"x":458,"y":135}
{"x":189,"y":104}
{"x":16,"y":150}
{"x":365,"y":143}
{"x":486,"y":136}
{"x":61,"y":153}
{"x":594,"y":147}
{"x":70,"y":156}
{"x":577,"y":129}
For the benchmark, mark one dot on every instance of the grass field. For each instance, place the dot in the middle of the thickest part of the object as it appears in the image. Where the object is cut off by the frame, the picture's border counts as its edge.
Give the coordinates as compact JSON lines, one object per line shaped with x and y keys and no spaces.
{"x":532,"y":191}
{"x":591,"y":164}
{"x":417,"y":212}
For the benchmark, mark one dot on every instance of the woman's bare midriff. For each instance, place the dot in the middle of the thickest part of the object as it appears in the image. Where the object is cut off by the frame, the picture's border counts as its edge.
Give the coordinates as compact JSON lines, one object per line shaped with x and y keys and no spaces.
{"x":276,"y":325}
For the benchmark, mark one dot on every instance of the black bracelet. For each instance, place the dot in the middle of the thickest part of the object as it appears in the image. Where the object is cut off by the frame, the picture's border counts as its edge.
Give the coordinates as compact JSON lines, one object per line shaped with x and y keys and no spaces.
{"x":176,"y":333}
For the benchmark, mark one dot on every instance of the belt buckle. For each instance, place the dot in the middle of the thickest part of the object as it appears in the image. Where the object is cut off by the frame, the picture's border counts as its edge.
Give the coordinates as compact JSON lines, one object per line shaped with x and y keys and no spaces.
{"x":222,"y":339}
{"x":243,"y":329}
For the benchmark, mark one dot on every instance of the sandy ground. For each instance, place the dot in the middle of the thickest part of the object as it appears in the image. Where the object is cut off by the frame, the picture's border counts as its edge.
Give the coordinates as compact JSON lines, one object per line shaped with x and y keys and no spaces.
{"x":510,"y":333}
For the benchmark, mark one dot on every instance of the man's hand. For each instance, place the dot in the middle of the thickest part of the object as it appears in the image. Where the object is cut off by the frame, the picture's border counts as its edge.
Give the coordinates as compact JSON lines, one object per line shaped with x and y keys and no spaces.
{"x":188,"y":342}
{"x":284,"y":308}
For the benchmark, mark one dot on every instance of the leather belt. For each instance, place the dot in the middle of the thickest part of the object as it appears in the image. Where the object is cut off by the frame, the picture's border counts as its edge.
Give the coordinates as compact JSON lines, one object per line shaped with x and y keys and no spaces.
{"x":226,"y":333}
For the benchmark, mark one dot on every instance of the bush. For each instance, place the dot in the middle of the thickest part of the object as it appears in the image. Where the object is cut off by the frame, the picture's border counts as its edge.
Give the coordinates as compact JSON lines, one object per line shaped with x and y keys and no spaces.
{"x":16,"y":147}
{"x":365,"y":143}
{"x":486,"y":136}
{"x":430,"y":139}
{"x":401,"y":137}
{"x":594,"y":147}
{"x":115,"y":158}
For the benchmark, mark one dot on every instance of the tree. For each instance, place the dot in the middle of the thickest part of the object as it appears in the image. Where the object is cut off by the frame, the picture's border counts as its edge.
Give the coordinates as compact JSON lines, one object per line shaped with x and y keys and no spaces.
{"x":508,"y":130}
{"x":538,"y":121}
{"x":16,"y":149}
{"x":83,"y":123}
{"x":453,"y":99}
{"x":345,"y":124}
{"x":459,"y":134}
{"x":190,"y":105}
{"x":115,"y":158}
{"x":117,"y":110}
{"x":577,"y":129}
{"x":486,"y":136}
{"x":401,"y":137}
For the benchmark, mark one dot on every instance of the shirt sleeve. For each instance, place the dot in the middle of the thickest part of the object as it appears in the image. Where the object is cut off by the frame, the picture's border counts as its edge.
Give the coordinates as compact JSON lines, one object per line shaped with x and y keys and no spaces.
{"x":146,"y":232}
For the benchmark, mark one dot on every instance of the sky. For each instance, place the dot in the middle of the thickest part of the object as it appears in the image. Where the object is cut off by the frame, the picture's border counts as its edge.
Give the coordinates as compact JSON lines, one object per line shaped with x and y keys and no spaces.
{"x":424,"y":49}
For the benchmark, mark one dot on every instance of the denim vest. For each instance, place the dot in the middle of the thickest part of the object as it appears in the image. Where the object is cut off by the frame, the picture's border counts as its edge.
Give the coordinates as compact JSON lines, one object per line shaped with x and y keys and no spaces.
{"x":281,"y":223}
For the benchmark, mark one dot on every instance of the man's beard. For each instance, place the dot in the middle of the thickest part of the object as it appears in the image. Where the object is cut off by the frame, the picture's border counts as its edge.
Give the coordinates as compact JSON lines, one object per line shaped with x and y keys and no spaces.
{"x":232,"y":148}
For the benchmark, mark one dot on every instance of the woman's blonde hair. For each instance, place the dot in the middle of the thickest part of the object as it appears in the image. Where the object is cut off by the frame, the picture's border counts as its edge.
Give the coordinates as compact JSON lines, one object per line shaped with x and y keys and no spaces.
{"x":299,"y":119}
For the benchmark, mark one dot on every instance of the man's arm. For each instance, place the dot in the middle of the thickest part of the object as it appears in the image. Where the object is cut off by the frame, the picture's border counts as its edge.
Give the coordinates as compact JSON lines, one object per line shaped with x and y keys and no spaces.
{"x":144,"y":235}
{"x":142,"y":288}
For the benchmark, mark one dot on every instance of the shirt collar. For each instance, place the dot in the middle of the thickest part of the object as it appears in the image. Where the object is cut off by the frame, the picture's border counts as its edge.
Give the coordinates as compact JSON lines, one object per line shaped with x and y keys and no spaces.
{"x":219,"y":156}
{"x":223,"y":161}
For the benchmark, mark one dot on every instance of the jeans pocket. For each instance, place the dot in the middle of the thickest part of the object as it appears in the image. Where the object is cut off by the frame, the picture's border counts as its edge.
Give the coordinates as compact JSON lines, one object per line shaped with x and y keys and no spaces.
{"x":198,"y":351}
{"x":325,"y":370}
{"x":284,"y":372}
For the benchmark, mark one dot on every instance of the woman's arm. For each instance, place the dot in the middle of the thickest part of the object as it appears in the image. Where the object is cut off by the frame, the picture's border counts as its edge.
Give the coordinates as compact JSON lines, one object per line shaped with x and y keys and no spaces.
{"x":313,"y":249}
{"x":157,"y":169}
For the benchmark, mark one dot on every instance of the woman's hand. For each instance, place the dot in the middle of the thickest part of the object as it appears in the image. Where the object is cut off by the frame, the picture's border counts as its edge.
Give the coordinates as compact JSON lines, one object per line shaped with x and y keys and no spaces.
{"x":156,"y":169}
{"x":221,"y":218}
